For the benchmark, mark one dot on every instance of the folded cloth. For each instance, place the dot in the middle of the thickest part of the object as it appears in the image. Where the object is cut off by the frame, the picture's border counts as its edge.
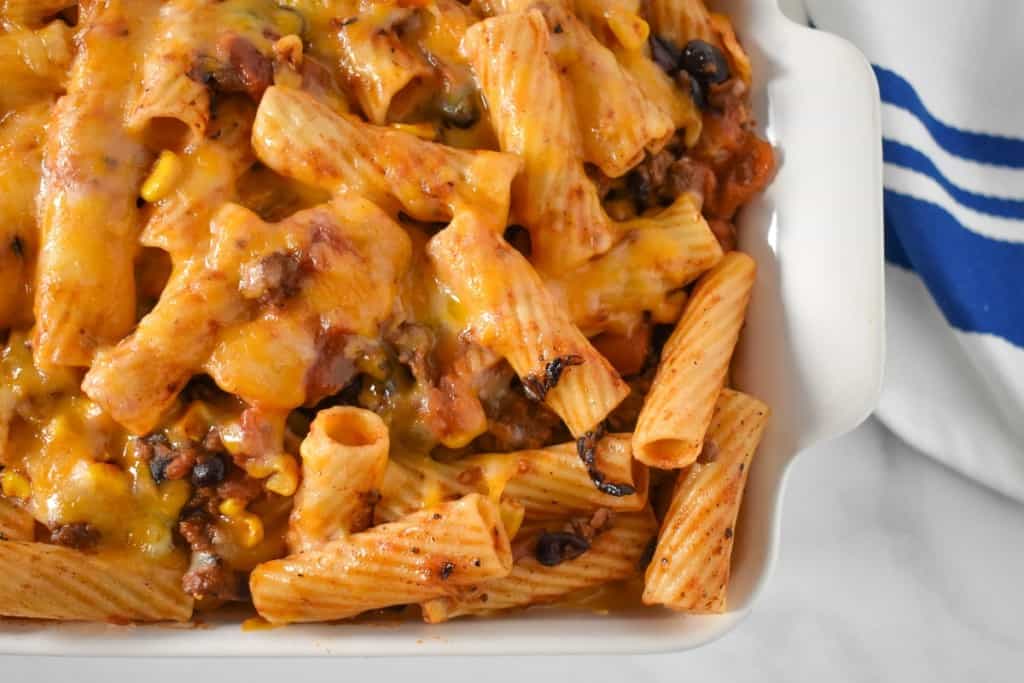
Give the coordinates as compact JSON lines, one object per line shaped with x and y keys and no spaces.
{"x":951,"y":77}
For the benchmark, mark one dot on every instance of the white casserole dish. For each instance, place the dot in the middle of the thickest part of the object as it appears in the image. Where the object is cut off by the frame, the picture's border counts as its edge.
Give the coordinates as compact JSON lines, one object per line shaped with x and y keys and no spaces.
{"x":812,"y":349}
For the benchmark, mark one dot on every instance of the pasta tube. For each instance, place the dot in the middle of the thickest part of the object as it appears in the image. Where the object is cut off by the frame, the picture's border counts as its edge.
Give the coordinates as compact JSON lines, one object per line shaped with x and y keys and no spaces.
{"x":378,"y":64}
{"x":51,"y":582}
{"x":659,"y":89}
{"x":180,"y":222}
{"x":15,"y":523}
{"x":34,"y":64}
{"x":301,"y":138}
{"x":533,"y":115}
{"x":613,"y":555}
{"x":511,"y":312}
{"x":208,"y":315}
{"x":183,"y":31}
{"x":550,"y":483}
{"x":343,"y":462}
{"x":92,"y":168}
{"x":680,"y":20}
{"x":676,"y":413}
{"x":20,"y":157}
{"x":424,"y":555}
{"x":690,"y":567}
{"x":657,"y":256}
{"x":616,"y":122}
{"x":30,"y":13}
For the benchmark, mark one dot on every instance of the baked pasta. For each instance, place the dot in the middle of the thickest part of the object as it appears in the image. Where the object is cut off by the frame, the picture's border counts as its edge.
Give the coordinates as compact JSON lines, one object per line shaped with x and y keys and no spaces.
{"x":335,"y":306}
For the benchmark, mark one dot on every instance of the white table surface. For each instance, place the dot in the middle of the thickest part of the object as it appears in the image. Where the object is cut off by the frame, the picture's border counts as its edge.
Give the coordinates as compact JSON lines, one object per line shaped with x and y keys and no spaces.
{"x":892,"y":568}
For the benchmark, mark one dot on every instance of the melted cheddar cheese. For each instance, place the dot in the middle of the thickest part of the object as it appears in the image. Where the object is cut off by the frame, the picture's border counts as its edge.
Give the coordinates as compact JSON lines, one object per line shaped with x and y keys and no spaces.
{"x":136,"y":121}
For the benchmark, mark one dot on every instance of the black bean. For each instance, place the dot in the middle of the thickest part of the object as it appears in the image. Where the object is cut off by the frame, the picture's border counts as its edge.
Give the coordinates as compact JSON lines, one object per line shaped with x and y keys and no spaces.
{"x":556,"y":547}
{"x":705,"y":62}
{"x":460,"y":112}
{"x":158,"y":468}
{"x":665,"y":53}
{"x":519,"y":238}
{"x":156,"y":449}
{"x":209,"y":470}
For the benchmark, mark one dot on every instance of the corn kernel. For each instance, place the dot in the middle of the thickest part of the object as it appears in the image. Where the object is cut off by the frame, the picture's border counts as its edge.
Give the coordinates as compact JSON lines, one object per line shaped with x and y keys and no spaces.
{"x":629,"y":29}
{"x":252,"y":530}
{"x":14,"y":485}
{"x":246,"y":526}
{"x":424,"y":131}
{"x":108,"y":479}
{"x":232,"y":507}
{"x":162,"y":178}
{"x":285,"y":479}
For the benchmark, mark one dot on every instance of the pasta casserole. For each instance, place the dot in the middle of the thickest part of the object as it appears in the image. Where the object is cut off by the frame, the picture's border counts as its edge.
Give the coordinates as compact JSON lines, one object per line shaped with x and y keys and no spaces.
{"x":338,"y":306}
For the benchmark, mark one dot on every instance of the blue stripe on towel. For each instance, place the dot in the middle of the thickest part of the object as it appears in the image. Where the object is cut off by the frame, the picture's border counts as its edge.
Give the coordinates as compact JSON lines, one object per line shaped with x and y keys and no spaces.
{"x":903,"y":155}
{"x":988,"y":149}
{"x":976,"y":280}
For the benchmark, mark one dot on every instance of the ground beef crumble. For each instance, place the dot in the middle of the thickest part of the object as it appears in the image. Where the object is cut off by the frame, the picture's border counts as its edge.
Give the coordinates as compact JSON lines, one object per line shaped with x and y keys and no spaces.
{"x":77,"y":535}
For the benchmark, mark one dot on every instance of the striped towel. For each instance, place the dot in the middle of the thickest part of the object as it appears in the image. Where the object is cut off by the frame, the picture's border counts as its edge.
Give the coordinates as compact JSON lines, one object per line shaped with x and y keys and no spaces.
{"x":951,"y":77}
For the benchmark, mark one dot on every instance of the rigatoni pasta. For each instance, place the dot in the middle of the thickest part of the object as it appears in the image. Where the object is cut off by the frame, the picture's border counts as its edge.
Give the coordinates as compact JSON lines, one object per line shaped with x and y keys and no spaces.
{"x":343,"y":462}
{"x":671,"y":426}
{"x":334,"y":307}
{"x":509,"y":310}
{"x":88,"y":216}
{"x":616,"y":121}
{"x":15,"y":524}
{"x":689,"y":570}
{"x":31,"y":13}
{"x":303,"y":139}
{"x":214,"y":300}
{"x":49,"y":582}
{"x":657,"y":256}
{"x":379,"y":66}
{"x":419,"y":557}
{"x":613,"y":554}
{"x":554,"y":198}
{"x":549,"y":483}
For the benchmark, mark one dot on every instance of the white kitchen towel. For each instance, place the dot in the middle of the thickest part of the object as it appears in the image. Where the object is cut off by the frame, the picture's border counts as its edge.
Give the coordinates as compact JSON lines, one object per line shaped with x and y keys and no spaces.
{"x":951,"y":77}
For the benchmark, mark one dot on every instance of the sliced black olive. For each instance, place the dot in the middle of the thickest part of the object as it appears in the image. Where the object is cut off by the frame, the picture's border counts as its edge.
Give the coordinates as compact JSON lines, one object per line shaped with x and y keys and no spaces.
{"x":705,"y":62}
{"x":665,"y":53}
{"x":537,"y":388}
{"x":586,"y":448}
{"x":556,"y":547}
